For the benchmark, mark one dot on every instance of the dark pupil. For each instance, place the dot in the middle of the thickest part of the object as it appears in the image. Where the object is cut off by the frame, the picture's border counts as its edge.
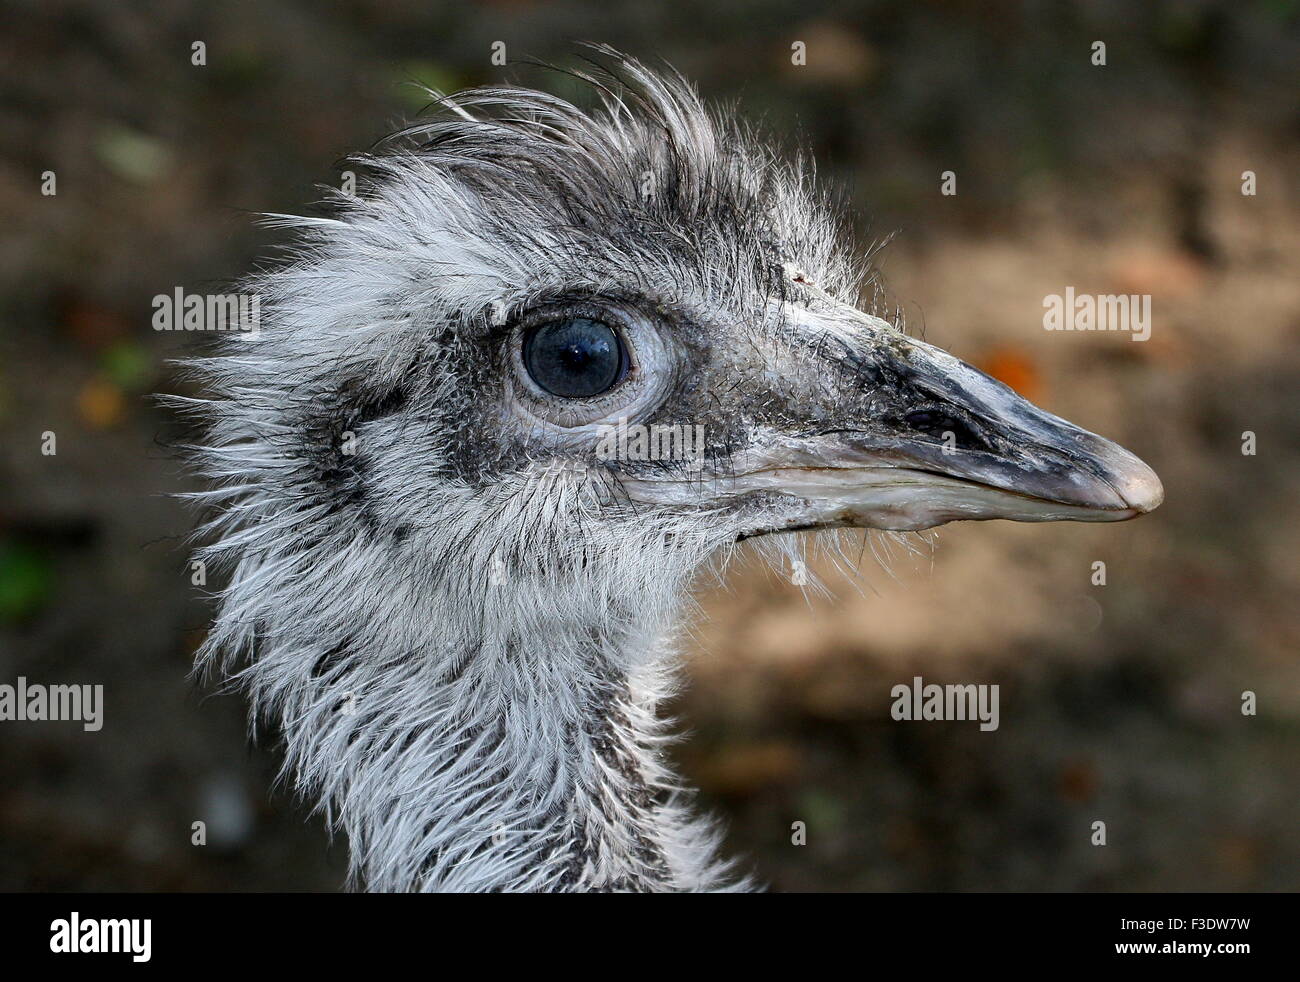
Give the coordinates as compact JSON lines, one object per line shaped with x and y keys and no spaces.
{"x":574,"y":358}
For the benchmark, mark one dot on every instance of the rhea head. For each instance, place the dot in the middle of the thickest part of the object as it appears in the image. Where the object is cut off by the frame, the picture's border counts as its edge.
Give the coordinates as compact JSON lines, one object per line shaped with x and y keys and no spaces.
{"x":517,"y":276}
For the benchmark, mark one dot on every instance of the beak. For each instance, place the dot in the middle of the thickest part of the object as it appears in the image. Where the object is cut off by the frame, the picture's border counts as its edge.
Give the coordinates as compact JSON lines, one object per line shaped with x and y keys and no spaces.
{"x":932,"y":440}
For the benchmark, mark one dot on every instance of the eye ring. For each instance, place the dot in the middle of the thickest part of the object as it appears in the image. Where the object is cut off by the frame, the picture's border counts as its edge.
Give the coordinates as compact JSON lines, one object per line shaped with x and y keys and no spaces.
{"x":575,"y":357}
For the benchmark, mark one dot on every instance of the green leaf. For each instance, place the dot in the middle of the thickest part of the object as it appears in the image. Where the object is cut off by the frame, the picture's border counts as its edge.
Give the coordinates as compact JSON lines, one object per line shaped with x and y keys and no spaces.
{"x":127,"y":365}
{"x":26,"y":580}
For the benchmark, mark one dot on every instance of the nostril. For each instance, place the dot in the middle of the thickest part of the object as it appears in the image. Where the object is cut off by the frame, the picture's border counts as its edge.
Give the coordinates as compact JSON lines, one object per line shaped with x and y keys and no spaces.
{"x":926,"y":421}
{"x":936,"y":423}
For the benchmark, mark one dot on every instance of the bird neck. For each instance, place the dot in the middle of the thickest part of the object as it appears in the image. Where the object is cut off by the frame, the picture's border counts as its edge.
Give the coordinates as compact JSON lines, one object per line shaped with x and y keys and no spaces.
{"x":487,"y":762}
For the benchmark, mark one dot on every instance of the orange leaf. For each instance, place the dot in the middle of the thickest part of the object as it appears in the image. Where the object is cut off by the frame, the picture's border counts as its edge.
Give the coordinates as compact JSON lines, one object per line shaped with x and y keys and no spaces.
{"x":1014,"y":368}
{"x":101,"y":404}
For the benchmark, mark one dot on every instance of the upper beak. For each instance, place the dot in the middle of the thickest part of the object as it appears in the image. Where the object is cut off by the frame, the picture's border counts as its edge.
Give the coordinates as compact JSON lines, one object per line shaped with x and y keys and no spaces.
{"x":940,"y":441}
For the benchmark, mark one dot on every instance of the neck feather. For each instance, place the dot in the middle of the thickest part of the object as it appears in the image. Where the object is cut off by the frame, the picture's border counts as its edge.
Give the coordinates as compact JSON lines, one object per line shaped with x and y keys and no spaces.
{"x":496,"y":764}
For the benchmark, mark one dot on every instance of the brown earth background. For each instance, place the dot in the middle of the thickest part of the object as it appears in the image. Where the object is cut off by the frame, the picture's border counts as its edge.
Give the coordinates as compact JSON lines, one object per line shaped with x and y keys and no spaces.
{"x":1118,"y":703}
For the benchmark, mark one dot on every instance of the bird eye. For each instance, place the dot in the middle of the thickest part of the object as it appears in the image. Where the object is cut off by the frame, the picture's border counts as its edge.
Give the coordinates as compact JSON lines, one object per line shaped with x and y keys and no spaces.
{"x":575,"y":358}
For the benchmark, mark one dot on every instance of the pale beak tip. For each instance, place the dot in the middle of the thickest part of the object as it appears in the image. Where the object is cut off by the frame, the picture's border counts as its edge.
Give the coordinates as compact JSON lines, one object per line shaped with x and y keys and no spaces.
{"x":1140,"y":488}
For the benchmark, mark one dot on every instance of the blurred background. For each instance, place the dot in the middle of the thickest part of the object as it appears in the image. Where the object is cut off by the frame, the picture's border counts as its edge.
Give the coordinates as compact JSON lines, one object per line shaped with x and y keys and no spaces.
{"x":1119,"y":703}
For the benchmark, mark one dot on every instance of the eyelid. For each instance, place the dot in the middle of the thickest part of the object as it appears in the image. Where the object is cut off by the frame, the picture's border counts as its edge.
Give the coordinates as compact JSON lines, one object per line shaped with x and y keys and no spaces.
{"x":606,"y":313}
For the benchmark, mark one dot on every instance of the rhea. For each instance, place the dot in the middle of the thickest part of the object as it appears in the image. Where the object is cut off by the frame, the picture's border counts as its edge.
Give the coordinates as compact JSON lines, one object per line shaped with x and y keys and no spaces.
{"x":461,"y":616}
